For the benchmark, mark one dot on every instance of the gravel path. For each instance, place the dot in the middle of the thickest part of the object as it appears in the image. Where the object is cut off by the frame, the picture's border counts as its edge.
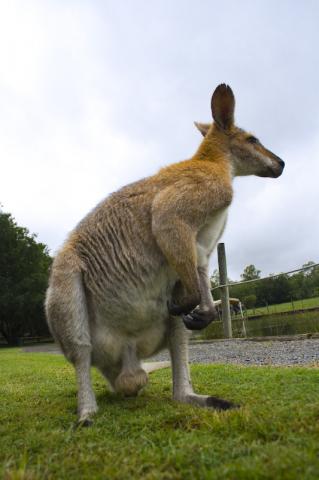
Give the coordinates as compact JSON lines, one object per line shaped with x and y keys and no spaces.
{"x":292,"y":352}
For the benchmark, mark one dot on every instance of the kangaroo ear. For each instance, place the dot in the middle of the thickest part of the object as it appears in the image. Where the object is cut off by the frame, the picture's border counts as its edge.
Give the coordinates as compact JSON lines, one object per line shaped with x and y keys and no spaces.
{"x":202,"y":127}
{"x":223,"y":106}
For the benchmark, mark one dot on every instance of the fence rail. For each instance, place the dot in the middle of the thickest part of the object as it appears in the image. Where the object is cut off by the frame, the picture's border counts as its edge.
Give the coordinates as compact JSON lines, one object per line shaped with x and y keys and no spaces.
{"x":224,"y":286}
{"x":232,"y":284}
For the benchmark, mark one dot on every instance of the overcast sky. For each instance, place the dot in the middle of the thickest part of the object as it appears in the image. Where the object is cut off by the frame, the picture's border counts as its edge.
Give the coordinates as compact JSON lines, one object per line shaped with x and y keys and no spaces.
{"x":97,"y":94}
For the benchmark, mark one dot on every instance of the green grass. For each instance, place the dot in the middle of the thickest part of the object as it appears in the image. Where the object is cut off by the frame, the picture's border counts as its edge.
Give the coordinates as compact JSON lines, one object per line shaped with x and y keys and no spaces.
{"x":285,"y":307}
{"x":275,"y":435}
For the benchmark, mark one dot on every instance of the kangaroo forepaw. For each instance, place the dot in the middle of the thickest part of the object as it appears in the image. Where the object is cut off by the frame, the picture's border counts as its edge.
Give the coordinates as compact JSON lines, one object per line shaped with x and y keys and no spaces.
{"x":183,"y":307}
{"x":175,"y":309}
{"x":197,"y":319}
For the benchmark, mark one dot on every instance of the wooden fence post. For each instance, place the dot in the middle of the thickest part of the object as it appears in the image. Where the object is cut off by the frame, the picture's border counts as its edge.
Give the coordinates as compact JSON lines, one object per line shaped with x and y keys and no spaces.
{"x":224,"y":290}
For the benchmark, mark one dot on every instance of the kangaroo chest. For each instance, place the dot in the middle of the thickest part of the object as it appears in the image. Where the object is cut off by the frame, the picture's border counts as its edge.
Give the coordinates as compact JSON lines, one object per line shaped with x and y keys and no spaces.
{"x":209,"y":235}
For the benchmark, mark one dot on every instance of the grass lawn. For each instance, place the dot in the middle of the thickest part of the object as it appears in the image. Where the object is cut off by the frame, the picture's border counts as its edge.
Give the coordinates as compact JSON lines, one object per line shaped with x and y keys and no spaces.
{"x":285,"y":307}
{"x":275,"y":435}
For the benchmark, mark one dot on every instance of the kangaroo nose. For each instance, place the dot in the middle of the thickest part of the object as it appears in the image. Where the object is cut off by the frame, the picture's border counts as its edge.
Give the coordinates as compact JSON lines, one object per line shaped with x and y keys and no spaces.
{"x":281,"y":163}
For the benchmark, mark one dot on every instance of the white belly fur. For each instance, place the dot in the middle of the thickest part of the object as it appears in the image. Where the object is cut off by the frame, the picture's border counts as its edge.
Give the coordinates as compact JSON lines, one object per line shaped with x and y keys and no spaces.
{"x":209,"y":235}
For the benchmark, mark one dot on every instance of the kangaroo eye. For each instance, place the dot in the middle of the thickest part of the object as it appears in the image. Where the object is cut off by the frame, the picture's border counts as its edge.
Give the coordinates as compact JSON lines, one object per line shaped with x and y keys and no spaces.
{"x":252,"y":139}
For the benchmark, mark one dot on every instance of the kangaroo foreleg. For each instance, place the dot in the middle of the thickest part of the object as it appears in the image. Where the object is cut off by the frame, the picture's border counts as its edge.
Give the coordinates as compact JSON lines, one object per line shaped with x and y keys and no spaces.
{"x":206,"y":312}
{"x":177,"y":243}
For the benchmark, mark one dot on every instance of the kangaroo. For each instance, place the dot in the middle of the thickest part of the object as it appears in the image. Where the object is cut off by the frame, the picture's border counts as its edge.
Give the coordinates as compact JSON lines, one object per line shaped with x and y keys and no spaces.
{"x":132,"y":277}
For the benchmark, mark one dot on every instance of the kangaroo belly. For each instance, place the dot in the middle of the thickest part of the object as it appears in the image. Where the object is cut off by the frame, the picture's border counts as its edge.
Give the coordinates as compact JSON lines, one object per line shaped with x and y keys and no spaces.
{"x":108,"y":344}
{"x":133,"y":309}
{"x":209,"y":235}
{"x":139,"y":315}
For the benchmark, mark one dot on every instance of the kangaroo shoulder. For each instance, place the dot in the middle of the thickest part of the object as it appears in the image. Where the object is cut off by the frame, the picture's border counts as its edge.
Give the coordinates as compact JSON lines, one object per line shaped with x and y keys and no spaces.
{"x":191,"y":184}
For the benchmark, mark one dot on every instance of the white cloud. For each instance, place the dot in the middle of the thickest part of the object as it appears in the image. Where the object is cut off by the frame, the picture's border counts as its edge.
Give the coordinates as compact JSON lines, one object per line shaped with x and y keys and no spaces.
{"x":60,"y":153}
{"x":97,"y":94}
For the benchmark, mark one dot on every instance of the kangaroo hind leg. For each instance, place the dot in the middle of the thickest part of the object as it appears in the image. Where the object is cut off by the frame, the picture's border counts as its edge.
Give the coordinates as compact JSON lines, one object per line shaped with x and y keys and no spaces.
{"x":182,"y":385}
{"x":67,"y":317}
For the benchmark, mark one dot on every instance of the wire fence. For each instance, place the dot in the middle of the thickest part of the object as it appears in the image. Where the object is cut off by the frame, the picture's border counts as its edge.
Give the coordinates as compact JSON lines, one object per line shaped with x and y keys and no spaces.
{"x":266,"y":278}
{"x":288,"y":318}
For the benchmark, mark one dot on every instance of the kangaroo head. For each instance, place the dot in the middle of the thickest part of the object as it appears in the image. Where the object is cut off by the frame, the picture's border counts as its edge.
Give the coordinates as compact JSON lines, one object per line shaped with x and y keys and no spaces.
{"x":247,"y":155}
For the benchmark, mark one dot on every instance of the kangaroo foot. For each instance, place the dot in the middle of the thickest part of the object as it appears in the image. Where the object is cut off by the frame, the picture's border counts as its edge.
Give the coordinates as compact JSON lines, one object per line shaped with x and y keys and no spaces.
{"x":85,"y":416}
{"x":207,"y":401}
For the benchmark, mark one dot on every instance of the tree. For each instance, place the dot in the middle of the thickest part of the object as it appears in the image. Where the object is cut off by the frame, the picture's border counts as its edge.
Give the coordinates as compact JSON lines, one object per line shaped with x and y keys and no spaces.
{"x":215,"y":278}
{"x":214,"y":282}
{"x":24,"y":267}
{"x":310,"y":266}
{"x":249,"y":301}
{"x":250,"y":273}
{"x":278,"y":289}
